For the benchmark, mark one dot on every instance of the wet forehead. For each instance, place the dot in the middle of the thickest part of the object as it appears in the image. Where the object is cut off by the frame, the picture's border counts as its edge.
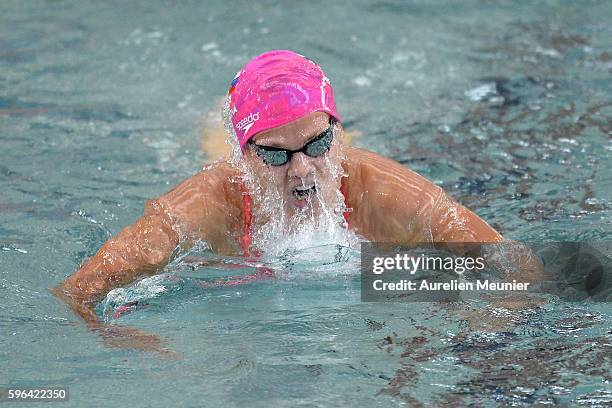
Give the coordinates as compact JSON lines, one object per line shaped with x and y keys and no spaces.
{"x":293,"y":135}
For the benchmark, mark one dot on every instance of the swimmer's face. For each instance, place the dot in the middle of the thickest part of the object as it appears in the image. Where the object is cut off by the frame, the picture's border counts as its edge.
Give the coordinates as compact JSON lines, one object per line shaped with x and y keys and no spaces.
{"x":304,"y":182}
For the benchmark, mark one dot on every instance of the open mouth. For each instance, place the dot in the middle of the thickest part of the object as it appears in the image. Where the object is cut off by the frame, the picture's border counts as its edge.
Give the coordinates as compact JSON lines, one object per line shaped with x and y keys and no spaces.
{"x":303,"y":192}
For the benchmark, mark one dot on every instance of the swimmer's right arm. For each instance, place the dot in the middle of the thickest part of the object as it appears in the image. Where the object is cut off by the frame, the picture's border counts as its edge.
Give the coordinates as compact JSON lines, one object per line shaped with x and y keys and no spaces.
{"x":195,"y":209}
{"x":139,"y":249}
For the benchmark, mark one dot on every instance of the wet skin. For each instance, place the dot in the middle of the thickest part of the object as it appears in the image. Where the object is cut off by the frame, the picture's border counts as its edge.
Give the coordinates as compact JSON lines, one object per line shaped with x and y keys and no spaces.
{"x":303,"y":177}
{"x":388,"y":201}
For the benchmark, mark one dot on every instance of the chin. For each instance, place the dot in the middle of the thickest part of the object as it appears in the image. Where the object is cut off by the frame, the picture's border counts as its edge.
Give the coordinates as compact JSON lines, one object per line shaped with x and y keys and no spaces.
{"x":302,"y":206}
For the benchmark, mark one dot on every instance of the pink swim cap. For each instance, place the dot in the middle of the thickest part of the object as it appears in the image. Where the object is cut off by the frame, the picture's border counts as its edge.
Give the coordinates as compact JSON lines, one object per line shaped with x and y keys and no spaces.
{"x":276,"y":88}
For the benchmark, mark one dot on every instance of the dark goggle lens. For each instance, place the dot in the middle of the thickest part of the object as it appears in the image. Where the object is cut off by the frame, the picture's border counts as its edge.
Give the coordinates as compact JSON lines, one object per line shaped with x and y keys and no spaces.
{"x":315,"y":148}
{"x":320,"y":145}
{"x":273,"y":157}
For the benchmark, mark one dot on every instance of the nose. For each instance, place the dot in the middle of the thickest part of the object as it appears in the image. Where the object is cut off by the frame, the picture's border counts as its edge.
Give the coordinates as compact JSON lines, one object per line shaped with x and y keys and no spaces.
{"x":300,"y":166}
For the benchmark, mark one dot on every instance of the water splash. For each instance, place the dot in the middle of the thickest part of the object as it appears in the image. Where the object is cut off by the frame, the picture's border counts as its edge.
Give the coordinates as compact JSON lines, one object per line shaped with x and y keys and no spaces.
{"x":321,"y":222}
{"x":122,"y":300}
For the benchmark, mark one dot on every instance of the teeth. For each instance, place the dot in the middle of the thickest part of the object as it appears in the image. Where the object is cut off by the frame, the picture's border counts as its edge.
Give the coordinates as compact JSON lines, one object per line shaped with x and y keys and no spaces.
{"x":300,"y":192}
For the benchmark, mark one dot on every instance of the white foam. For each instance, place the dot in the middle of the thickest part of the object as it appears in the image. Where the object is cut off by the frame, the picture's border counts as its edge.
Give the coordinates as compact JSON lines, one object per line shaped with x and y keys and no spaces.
{"x":209,"y":46}
{"x":481,"y":92}
{"x":362,"y":81}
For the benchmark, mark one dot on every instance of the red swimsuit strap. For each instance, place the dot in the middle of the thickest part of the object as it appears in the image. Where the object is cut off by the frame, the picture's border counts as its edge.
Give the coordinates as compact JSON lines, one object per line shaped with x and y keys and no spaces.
{"x":346,"y":212}
{"x":247,"y":239}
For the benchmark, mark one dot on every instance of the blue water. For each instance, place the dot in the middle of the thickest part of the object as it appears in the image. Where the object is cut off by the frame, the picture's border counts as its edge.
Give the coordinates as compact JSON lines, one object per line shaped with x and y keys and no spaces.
{"x":507,"y":106}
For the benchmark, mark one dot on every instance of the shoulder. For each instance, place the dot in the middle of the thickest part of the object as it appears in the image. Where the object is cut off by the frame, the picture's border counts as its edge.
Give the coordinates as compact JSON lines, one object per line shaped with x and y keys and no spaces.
{"x":211,"y":194}
{"x":389,"y":201}
{"x":207,"y":206}
{"x":216,"y":178}
{"x":371,"y":171}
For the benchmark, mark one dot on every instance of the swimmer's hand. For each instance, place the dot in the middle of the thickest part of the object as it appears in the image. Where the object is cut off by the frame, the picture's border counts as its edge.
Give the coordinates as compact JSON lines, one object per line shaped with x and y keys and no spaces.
{"x":132,"y":338}
{"x":122,"y":337}
{"x":138,"y":250}
{"x":513,"y":261}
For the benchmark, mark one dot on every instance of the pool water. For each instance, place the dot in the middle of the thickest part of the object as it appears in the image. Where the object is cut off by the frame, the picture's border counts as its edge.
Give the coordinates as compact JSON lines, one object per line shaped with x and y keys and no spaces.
{"x":507,"y":106}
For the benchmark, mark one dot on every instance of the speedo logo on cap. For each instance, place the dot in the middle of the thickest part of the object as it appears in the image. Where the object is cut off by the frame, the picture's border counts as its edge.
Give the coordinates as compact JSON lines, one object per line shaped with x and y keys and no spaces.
{"x":246,"y":123}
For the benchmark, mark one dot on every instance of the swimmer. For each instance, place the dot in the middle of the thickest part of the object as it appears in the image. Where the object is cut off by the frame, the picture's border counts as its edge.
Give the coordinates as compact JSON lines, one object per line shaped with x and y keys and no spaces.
{"x":290,"y":165}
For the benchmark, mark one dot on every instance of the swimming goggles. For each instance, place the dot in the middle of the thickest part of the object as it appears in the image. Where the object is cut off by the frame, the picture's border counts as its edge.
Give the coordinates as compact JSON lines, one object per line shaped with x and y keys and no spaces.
{"x":274,"y":156}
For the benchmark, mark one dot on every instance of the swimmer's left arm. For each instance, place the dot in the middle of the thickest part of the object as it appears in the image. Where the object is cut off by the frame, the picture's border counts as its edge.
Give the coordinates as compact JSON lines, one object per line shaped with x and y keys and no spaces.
{"x":394,"y":203}
{"x":443,"y":220}
{"x":450,"y":221}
